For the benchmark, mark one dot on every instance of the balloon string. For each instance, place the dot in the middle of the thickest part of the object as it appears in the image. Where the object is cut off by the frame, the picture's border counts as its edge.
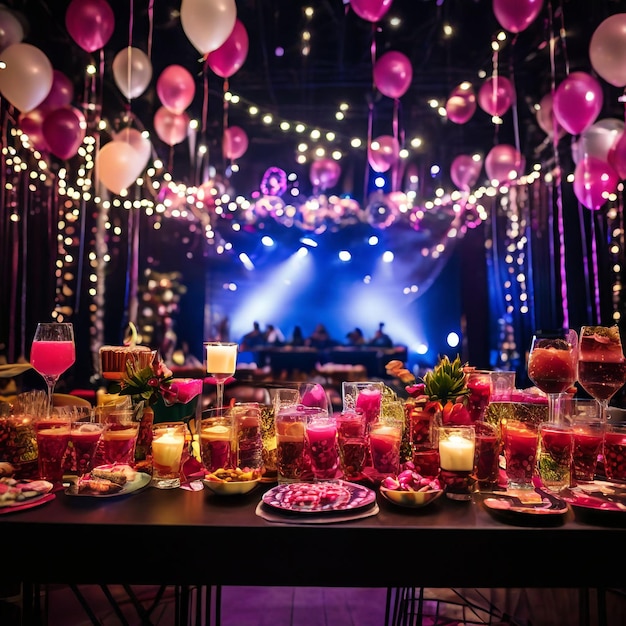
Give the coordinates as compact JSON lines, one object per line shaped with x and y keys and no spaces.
{"x":225,"y":115}
{"x":370,"y":114}
{"x":514,"y":108}
{"x":205,"y":99}
{"x":494,"y":91}
{"x":150,"y":26}
{"x":396,"y":134}
{"x":594,"y":256}
{"x":130,"y":44}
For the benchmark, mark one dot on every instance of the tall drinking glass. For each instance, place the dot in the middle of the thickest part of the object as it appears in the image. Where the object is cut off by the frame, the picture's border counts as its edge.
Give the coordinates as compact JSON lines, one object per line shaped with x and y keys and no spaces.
{"x":221,"y":363}
{"x":601,"y":363}
{"x":52,"y":353}
{"x":552,"y":364}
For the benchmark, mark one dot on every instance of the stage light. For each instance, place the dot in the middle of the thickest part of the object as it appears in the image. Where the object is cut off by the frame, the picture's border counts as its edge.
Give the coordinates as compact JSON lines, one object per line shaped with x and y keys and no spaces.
{"x":453,"y":339}
{"x":307,"y":241}
{"x":267,"y":241}
{"x":345,"y":256}
{"x":388,"y":256}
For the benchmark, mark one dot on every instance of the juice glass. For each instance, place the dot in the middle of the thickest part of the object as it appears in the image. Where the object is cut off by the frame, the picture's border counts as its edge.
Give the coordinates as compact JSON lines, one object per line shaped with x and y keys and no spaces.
{"x":290,"y":424}
{"x":168,"y":443}
{"x":53,"y":436}
{"x":321,"y":440}
{"x":488,"y":444}
{"x":217,"y":449}
{"x":479,"y":385}
{"x":119,"y":436}
{"x":385,"y":438}
{"x":554,"y":455}
{"x":615,"y":452}
{"x":84,"y":438}
{"x":353,"y":443}
{"x":519,"y":440}
{"x":247,"y":423}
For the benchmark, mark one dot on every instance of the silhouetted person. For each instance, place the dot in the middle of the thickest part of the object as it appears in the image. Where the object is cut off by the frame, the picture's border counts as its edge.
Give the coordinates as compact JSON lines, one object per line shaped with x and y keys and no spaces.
{"x":273,"y":336}
{"x":297,"y":339}
{"x":355,"y":337}
{"x":253,"y":340}
{"x":320,"y":338}
{"x":380,"y":338}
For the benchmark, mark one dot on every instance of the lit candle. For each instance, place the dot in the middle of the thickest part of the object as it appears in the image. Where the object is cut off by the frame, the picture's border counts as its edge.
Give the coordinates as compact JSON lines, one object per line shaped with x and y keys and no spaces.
{"x":221,"y":359}
{"x":456,"y":453}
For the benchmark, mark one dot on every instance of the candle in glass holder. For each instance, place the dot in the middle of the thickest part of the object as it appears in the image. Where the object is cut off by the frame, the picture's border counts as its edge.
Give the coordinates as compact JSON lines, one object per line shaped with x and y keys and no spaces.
{"x":221,"y":359}
{"x":456,"y":453}
{"x":457,"y":446}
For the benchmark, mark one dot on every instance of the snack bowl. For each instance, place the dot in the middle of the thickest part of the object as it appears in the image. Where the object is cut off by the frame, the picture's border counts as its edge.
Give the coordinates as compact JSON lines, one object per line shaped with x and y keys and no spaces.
{"x":410,"y":499}
{"x":231,"y":482}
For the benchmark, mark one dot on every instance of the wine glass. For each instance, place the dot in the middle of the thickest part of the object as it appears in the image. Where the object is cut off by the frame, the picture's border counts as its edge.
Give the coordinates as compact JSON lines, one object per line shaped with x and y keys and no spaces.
{"x":601,"y":364}
{"x":221,"y":363}
{"x":52,"y":352}
{"x":552,"y":364}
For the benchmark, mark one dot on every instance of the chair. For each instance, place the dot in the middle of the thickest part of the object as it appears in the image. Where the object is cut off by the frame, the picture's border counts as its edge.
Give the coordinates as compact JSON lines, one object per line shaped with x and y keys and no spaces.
{"x":66,"y":399}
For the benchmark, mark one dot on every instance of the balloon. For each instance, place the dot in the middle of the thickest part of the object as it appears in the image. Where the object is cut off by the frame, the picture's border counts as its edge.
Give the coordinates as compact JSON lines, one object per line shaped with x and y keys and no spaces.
{"x":577,"y":102}
{"x":61,"y":92}
{"x":141,"y":144}
{"x":234,"y":142}
{"x":598,"y":140}
{"x":461,"y":104}
{"x":90,"y":23}
{"x":465,"y":170}
{"x":593,"y":181}
{"x":171,"y":127}
{"x":496,"y":95}
{"x":383,"y":153}
{"x":64,"y":131}
{"x":607,"y":50}
{"x":31,"y":124}
{"x":545,"y":117}
{"x":325,"y":173}
{"x":230,"y":56}
{"x":27,"y":78}
{"x":176,"y":88}
{"x":516,"y":15}
{"x":371,"y":10}
{"x":208,"y":23}
{"x":504,"y":163}
{"x":135,"y":82}
{"x":11,"y":30}
{"x":617,"y":156}
{"x":393,"y":74}
{"x":116,"y":166}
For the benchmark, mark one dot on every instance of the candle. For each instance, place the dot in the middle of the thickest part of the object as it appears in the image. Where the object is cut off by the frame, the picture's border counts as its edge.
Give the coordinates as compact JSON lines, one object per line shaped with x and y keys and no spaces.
{"x":456,"y":453}
{"x":221,"y":359}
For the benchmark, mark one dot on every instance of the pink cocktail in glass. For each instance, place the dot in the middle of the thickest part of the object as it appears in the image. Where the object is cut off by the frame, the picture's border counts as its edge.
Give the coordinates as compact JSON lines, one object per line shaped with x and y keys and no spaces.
{"x":53,"y":436}
{"x":52,"y":358}
{"x":479,"y":385}
{"x":84,"y":438}
{"x":321,"y":438}
{"x":368,"y":402}
{"x":520,"y":452}
{"x":118,"y":442}
{"x":385,"y":447}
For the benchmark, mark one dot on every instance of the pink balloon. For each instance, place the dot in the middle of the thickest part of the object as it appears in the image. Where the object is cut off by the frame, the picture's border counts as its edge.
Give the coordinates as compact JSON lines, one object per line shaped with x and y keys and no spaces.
{"x":116,"y":166}
{"x":546,"y":119}
{"x":234,"y":142}
{"x":465,"y":170}
{"x":31,"y":124}
{"x":176,"y":88}
{"x":90,"y":23}
{"x":371,"y":10}
{"x":496,"y":95}
{"x":383,"y":153}
{"x":504,"y":163}
{"x":607,"y":50}
{"x":393,"y":74}
{"x":172,"y":128}
{"x":577,"y":102}
{"x":64,"y":131}
{"x":325,"y":173}
{"x":516,"y":15}
{"x":461,"y":104}
{"x":594,"y":180}
{"x":230,"y":56}
{"x":11,"y":30}
{"x":617,"y":156}
{"x":61,"y":93}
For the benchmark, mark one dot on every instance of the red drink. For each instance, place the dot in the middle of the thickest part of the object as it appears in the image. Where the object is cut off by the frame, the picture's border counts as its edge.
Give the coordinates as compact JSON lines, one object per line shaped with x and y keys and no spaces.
{"x":588,"y":440}
{"x":53,"y":435}
{"x":215,"y":445}
{"x":520,"y":452}
{"x":479,"y":385}
{"x":118,"y":443}
{"x":551,"y":369}
{"x":615,"y":453}
{"x":368,"y":402}
{"x":487,"y":454}
{"x":352,"y":441}
{"x":385,"y":448}
{"x":52,"y":358}
{"x":601,"y":379}
{"x":84,"y":438}
{"x":321,"y":437}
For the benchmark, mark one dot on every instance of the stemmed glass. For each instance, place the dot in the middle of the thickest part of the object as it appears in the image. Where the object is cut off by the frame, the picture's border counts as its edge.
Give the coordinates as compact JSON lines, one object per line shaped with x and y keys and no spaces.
{"x":221,"y":363}
{"x":601,"y":364}
{"x":52,"y":352}
{"x":552,"y":364}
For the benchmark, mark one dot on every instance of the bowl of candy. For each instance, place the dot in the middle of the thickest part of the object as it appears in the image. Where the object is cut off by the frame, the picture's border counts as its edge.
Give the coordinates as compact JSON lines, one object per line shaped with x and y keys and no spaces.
{"x":410,"y":489}
{"x":232,"y":482}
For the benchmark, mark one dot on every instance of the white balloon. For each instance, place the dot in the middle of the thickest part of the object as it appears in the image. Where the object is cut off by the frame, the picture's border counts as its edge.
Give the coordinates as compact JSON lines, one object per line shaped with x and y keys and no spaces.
{"x":116,"y":166}
{"x":26,"y":79}
{"x":598,"y":140}
{"x":141,"y":144}
{"x":208,"y":23}
{"x":132,"y":71}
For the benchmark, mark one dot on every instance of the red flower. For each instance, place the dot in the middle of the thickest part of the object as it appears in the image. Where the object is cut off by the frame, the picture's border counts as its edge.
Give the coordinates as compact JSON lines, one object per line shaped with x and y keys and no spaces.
{"x":456,"y":413}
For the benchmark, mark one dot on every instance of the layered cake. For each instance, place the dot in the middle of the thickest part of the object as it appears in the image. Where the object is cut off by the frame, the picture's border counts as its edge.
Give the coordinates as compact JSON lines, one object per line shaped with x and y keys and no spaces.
{"x":113,"y":359}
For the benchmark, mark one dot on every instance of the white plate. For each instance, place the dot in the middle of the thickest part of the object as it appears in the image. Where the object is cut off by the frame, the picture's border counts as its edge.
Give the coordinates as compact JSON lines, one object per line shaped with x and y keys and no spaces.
{"x":140,"y":481}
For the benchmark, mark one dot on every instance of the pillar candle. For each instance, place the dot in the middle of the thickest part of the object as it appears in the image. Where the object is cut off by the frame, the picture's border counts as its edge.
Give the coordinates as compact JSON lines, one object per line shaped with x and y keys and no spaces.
{"x":456,"y":453}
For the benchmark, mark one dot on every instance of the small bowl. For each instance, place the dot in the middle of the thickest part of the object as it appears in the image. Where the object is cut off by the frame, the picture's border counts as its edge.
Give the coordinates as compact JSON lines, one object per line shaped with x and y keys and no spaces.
{"x":231,"y":488}
{"x":410,"y":499}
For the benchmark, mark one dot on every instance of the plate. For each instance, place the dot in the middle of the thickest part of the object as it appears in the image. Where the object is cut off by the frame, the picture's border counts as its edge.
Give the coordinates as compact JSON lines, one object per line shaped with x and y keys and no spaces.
{"x":410,"y":499}
{"x":598,"y":502}
{"x":31,"y":492}
{"x":140,"y":481}
{"x":544,"y":509}
{"x":322,"y":497}
{"x":231,"y":488}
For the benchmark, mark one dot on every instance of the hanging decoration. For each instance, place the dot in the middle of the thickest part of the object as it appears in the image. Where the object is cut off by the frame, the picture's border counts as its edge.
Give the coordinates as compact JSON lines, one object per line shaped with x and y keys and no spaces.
{"x":208,"y":23}
{"x":516,"y":15}
{"x":577,"y":102}
{"x":607,"y":50}
{"x":90,"y":23}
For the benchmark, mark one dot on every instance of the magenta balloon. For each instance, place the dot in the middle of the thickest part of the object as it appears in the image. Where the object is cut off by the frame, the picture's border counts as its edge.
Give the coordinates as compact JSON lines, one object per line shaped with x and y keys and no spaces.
{"x":31,"y":124}
{"x":325,"y":173}
{"x":230,"y":56}
{"x":172,"y":128}
{"x":61,"y":93}
{"x":607,"y":50}
{"x":594,"y":180}
{"x":393,"y":74}
{"x":90,"y":23}
{"x":176,"y":88}
{"x":496,"y":95}
{"x":371,"y":10}
{"x":516,"y":15}
{"x":504,"y":163}
{"x":11,"y":30}
{"x":64,"y":131}
{"x":465,"y":170}
{"x":234,"y":142}
{"x":577,"y":102}
{"x":461,"y":104}
{"x":383,"y":153}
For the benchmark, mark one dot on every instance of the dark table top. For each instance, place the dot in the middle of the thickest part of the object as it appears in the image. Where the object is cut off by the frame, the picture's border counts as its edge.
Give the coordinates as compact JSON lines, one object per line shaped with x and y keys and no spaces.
{"x":185,"y":537}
